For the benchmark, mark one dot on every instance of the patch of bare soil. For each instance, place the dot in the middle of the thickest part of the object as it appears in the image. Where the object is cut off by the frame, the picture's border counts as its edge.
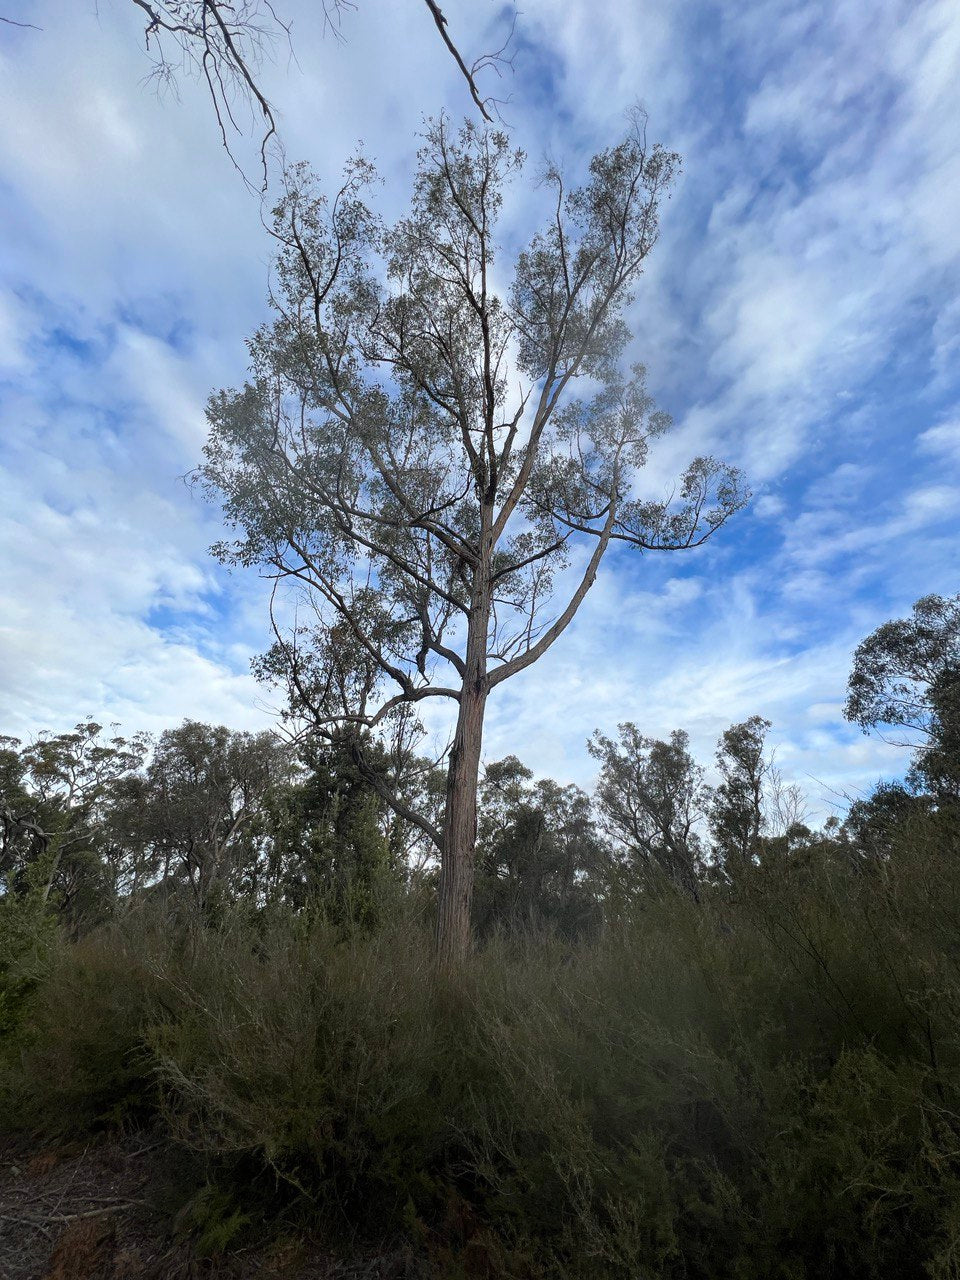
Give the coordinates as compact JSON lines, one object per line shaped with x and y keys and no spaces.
{"x":94,"y":1213}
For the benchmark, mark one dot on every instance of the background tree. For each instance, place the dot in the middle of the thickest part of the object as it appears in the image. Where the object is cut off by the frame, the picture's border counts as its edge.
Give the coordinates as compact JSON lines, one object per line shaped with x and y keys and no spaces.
{"x":652,"y":799}
{"x":737,"y":815}
{"x":538,"y":854}
{"x":873,"y":824}
{"x":897,"y":668}
{"x":906,"y":678}
{"x":323,"y":669}
{"x":22,"y":839}
{"x":204,"y":803}
{"x":56,"y":791}
{"x":334,"y":841}
{"x":410,"y":448}
{"x":936,"y":766}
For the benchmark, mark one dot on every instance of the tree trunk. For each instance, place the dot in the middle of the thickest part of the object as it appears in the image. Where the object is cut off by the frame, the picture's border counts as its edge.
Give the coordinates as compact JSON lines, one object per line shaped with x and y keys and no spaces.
{"x":53,"y":852}
{"x":460,"y":813}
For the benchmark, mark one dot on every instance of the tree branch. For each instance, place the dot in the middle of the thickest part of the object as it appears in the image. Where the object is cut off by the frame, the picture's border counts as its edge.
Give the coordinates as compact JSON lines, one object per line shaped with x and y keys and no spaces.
{"x":546,"y":640}
{"x":465,"y":71}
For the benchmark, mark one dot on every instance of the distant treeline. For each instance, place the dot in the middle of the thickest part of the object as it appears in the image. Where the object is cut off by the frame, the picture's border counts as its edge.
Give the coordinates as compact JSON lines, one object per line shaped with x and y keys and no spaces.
{"x":94,"y":826}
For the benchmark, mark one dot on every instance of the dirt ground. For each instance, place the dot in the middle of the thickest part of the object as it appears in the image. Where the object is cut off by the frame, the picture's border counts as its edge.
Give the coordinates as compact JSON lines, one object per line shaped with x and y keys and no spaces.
{"x":93,"y":1213}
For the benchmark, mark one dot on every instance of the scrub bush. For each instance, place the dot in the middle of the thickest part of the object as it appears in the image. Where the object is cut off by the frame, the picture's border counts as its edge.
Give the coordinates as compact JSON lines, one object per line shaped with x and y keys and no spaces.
{"x":763,"y":1085}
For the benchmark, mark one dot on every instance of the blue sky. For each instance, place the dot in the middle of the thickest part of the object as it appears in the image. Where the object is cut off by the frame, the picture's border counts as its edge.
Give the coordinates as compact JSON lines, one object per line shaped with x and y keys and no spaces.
{"x":800,"y":317}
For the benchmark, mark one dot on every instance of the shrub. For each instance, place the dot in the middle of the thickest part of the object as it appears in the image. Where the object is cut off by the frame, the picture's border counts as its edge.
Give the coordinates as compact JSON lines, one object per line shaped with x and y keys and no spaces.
{"x":27,"y":940}
{"x":764,"y":1085}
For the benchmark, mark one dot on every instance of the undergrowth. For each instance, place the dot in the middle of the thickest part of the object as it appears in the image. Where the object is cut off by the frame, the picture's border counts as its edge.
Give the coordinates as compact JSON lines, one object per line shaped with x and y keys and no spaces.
{"x":764,"y":1085}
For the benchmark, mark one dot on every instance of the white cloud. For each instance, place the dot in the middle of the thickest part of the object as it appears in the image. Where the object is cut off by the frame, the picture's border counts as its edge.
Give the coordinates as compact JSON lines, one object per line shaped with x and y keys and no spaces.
{"x":942,"y":441}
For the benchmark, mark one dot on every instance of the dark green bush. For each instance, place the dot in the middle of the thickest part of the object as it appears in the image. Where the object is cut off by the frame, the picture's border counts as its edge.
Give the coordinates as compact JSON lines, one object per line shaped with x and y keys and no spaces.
{"x":764,"y":1085}
{"x":83,"y":1060}
{"x":27,"y":940}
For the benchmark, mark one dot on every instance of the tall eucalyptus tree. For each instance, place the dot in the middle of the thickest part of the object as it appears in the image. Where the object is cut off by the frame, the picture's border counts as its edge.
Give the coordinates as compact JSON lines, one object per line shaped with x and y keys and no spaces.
{"x":423,"y":450}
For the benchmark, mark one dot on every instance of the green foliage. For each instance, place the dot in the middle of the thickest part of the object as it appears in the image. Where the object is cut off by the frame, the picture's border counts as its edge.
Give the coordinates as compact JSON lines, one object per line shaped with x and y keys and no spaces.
{"x":212,"y":1220}
{"x":82,"y":1061}
{"x":737,"y":816}
{"x":906,"y":678}
{"x":651,"y":796}
{"x":204,"y":798}
{"x":762,"y":1085}
{"x":897,"y":666}
{"x":936,"y":769}
{"x":332,"y":849}
{"x":538,"y":855}
{"x":27,"y":939}
{"x":54,"y":796}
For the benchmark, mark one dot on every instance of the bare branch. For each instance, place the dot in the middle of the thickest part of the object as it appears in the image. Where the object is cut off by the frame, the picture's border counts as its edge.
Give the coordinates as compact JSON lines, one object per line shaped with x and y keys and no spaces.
{"x":390,"y":796}
{"x":566,"y":617}
{"x":224,"y":43}
{"x":465,"y":71}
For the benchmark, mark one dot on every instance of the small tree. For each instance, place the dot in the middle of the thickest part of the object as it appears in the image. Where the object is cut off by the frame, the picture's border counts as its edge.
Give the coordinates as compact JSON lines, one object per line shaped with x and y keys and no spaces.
{"x":652,"y":798}
{"x":412,"y":450}
{"x":538,"y":852}
{"x":331,"y":837}
{"x":54,"y":794}
{"x":737,"y":814}
{"x":906,"y":677}
{"x":205,"y":800}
